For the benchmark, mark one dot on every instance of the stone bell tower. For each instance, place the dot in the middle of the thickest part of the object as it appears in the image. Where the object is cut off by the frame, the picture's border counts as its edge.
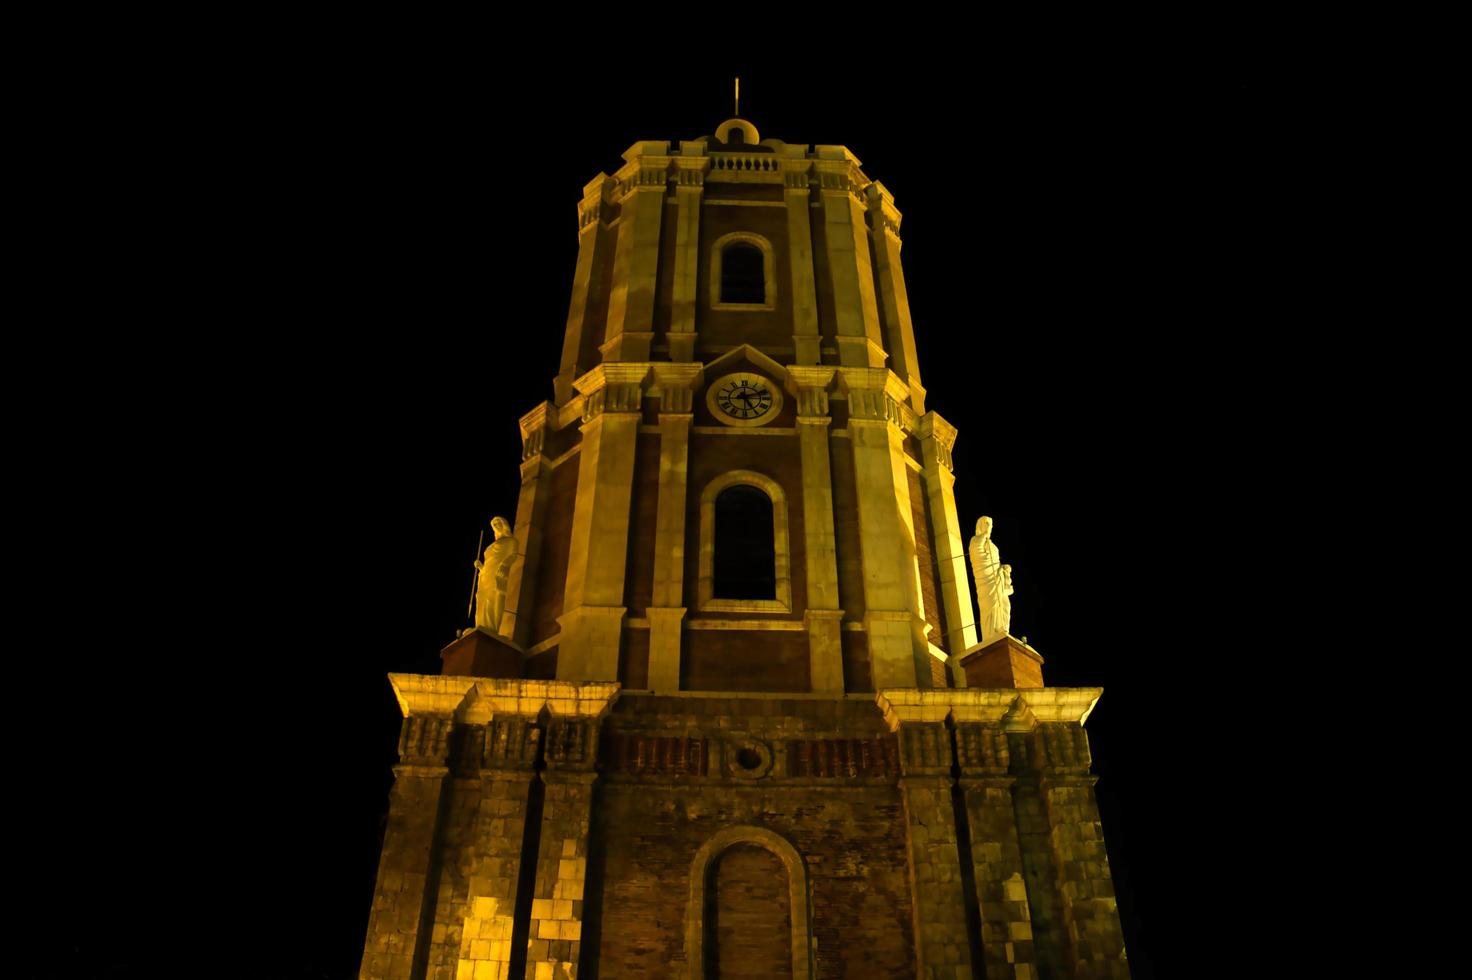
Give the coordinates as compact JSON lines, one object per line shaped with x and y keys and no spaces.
{"x":735,"y":719}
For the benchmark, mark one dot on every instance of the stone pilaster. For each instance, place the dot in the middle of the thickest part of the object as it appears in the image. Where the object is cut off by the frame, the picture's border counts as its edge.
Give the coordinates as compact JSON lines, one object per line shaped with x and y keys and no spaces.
{"x":690,"y":168}
{"x":503,"y":752}
{"x":948,"y":538}
{"x":1067,"y":834}
{"x":398,"y":933}
{"x":642,"y":183}
{"x":899,"y":652}
{"x":554,"y":943}
{"x":796,"y":176}
{"x":809,"y":385}
{"x":531,"y":509}
{"x":884,"y":235}
{"x":855,"y":309}
{"x":996,"y":857}
{"x":937,"y":892}
{"x":593,"y":245}
{"x":593,"y":611}
{"x":675,"y":384}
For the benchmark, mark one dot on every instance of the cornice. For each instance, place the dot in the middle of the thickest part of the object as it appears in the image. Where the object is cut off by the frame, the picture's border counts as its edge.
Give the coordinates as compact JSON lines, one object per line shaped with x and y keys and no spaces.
{"x":1012,"y":709}
{"x":475,"y":700}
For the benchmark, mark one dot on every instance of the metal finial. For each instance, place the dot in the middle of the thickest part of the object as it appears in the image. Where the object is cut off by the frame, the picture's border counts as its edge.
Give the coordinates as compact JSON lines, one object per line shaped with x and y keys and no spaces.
{"x":738,"y":97}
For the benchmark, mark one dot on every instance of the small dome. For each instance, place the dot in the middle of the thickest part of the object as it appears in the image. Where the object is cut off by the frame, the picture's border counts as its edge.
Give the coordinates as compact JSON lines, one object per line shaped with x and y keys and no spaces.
{"x":738,"y":133}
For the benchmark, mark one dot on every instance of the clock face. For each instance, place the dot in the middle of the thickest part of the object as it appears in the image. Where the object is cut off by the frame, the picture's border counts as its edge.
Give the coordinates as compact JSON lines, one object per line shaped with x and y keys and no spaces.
{"x":744,"y":399}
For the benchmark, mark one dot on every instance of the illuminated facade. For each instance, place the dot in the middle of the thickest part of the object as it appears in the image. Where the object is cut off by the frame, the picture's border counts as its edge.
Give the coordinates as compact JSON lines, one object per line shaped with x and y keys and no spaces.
{"x":736,"y":721}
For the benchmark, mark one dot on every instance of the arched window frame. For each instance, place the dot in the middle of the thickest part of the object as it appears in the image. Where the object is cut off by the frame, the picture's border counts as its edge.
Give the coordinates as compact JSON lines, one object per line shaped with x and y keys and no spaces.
{"x":798,"y":900}
{"x":769,"y":270}
{"x":705,"y":592}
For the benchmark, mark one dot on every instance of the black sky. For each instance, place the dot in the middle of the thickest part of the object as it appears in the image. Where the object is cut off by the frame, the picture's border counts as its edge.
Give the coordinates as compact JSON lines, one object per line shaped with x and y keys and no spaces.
{"x":371,"y":254}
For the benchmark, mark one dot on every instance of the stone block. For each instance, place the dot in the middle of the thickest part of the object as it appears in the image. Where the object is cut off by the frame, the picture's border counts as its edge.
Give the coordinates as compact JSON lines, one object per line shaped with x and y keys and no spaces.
{"x":1004,"y":663}
{"x":481,"y":654}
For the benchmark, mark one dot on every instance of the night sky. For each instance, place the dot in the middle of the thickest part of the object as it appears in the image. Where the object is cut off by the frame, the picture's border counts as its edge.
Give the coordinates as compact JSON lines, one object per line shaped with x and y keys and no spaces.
{"x":380,"y":253}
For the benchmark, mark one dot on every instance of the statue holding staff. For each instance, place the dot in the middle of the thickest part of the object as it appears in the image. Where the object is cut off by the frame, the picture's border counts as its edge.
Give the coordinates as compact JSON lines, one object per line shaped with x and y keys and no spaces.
{"x":494,"y":571}
{"x":993,"y":583}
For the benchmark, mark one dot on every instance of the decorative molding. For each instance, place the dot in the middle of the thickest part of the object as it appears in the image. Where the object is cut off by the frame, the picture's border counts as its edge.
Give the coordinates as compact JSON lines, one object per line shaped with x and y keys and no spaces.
{"x":616,"y":387}
{"x":843,"y":758}
{"x":925,"y":749}
{"x":720,"y":202}
{"x":937,"y":439}
{"x":722,"y":430}
{"x":810,"y":385}
{"x":533,"y":427}
{"x":794,"y":625}
{"x":691,"y":171}
{"x":675,"y":384}
{"x":644,"y":754}
{"x":726,"y":164}
{"x":797,"y":175}
{"x":571,"y":743}
{"x":478,"y":699}
{"x":424,"y":739}
{"x":881,"y":206}
{"x":597,"y":195}
{"x":982,"y":748}
{"x":1015,"y":710}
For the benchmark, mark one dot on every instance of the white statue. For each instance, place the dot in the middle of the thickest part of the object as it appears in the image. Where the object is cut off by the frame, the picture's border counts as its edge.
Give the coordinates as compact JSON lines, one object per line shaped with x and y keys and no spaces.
{"x":993,"y":583}
{"x":495,"y":571}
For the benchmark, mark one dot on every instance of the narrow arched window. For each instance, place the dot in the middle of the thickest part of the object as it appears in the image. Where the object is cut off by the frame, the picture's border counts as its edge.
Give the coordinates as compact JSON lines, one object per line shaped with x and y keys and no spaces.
{"x":743,"y":276}
{"x":745,"y":556}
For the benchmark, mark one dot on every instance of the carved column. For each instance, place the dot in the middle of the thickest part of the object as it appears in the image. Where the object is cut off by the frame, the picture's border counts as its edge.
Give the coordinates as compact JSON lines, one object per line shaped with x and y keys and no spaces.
{"x":996,"y":858}
{"x":690,"y":168}
{"x":899,"y":652}
{"x":593,"y":609}
{"x":641,"y":216}
{"x":593,"y":245}
{"x":884,"y":234}
{"x":948,"y":539}
{"x":554,"y":943}
{"x":937,"y":894}
{"x":806,"y":342}
{"x":666,"y":611}
{"x":855,"y":308}
{"x":824,"y":617}
{"x":399,"y":927}
{"x":531,"y":507}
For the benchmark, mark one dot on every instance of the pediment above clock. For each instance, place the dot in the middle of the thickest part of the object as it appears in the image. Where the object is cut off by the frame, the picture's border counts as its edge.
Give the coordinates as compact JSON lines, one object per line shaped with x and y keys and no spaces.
{"x":745,"y":358}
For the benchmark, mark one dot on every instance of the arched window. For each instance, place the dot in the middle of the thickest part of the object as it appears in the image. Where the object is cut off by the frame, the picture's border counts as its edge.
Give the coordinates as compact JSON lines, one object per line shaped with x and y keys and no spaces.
{"x":745,"y":884}
{"x":743,"y":279}
{"x":743,"y":272}
{"x":744,"y":561}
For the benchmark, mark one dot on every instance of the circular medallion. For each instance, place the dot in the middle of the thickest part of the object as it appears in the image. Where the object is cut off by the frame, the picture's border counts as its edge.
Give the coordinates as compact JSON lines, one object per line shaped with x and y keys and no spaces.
{"x":743,"y":399}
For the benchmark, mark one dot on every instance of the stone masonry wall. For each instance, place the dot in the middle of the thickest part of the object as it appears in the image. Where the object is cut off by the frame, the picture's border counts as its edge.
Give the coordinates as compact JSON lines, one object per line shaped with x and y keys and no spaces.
{"x":550,"y":846}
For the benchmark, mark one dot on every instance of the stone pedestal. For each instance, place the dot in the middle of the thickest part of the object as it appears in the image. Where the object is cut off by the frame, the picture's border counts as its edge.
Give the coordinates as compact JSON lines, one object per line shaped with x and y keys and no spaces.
{"x":481,"y":654}
{"x":1006,"y":662}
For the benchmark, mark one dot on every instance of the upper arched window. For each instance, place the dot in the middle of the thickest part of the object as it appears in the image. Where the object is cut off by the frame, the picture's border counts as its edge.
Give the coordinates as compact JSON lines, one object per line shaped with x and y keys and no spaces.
{"x":743,"y":272}
{"x":743,"y":280}
{"x":744,"y":561}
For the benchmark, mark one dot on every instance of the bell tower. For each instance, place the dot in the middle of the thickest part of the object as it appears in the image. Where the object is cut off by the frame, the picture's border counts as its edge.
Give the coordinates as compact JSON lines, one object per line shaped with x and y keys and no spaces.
{"x":735,"y":708}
